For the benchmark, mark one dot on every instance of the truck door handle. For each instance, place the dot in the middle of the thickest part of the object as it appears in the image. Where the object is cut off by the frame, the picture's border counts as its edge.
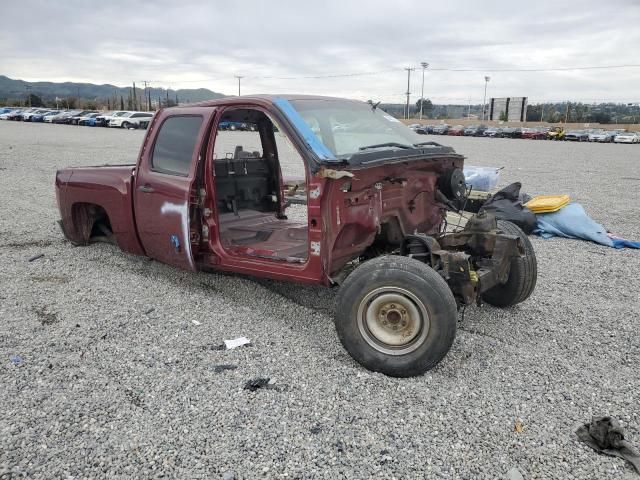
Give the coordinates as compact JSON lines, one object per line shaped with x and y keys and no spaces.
{"x":146,"y":189}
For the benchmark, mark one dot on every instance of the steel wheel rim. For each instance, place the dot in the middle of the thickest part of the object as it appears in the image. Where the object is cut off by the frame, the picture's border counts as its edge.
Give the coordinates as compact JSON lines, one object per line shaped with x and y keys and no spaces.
{"x":393,"y":321}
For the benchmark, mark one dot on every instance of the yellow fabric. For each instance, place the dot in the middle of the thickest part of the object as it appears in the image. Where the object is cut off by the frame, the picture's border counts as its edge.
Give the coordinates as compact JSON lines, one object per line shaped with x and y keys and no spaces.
{"x":547,"y":203}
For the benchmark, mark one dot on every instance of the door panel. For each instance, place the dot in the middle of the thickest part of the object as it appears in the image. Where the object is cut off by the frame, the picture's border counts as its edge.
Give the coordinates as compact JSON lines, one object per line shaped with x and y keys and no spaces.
{"x":165,"y":181}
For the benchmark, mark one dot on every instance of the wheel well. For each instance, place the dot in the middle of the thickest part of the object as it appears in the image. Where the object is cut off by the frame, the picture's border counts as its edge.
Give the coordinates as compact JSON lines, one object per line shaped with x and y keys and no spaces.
{"x":91,"y":221}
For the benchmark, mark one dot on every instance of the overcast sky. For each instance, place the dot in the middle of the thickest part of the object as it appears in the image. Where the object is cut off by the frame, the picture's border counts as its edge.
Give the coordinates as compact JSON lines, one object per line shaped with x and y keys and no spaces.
{"x":183,"y":44}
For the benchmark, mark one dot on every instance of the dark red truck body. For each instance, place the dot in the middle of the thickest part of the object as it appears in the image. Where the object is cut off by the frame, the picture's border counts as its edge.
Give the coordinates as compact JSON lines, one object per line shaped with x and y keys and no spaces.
{"x":145,"y":207}
{"x":376,"y":199}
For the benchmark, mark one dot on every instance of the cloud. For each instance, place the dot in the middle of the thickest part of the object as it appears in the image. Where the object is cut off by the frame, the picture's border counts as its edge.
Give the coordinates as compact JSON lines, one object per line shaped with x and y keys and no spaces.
{"x":204,"y":44}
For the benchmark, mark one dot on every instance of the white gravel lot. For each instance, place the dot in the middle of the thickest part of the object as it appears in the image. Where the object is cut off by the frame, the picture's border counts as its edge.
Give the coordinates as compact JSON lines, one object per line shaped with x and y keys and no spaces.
{"x":109,"y":388}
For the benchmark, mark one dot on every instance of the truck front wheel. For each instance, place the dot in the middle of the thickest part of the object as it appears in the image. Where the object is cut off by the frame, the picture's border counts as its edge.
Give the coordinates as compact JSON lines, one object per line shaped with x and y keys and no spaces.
{"x":523,"y":273}
{"x":396,"y":315}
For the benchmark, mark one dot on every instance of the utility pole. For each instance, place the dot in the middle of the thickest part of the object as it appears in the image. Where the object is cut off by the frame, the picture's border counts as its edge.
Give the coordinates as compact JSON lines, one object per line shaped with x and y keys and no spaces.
{"x":566,"y":114}
{"x":409,"y":70}
{"x":484,"y":102}
{"x":147,"y":95}
{"x":469,"y":111}
{"x":28,"y":88}
{"x":135,"y":95}
{"x":239,"y":77}
{"x":424,"y":66}
{"x":542,"y":114}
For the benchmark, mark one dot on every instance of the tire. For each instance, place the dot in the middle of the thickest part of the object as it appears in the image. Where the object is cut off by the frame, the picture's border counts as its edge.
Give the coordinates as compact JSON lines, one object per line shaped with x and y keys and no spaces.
{"x":419,"y":305}
{"x":522,"y":275}
{"x":126,"y":125}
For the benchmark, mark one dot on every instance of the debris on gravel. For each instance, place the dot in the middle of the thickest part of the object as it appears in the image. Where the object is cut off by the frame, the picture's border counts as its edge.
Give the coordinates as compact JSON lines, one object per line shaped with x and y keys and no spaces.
{"x":257,"y":383}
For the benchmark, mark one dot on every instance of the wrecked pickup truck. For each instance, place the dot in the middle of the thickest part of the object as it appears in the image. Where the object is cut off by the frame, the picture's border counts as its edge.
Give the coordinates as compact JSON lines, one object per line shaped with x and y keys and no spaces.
{"x":203,"y":198}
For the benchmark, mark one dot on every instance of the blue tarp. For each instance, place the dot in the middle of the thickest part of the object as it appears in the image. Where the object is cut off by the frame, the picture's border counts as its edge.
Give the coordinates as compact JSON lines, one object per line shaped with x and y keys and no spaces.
{"x":573,"y":222}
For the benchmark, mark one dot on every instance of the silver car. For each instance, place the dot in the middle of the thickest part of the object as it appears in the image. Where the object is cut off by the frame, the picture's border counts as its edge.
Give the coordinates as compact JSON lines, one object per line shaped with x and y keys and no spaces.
{"x":600,"y":135}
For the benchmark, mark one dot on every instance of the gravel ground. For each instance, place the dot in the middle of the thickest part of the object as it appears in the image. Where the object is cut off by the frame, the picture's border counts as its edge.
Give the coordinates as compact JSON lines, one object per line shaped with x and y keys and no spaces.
{"x":120,"y":372}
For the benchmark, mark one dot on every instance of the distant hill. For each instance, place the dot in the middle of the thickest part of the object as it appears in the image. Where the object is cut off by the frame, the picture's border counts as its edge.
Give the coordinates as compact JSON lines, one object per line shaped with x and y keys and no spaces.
{"x":48,"y":91}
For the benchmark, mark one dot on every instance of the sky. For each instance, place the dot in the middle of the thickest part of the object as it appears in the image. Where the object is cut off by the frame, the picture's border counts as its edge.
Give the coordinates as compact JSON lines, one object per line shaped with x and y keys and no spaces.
{"x":357,"y":49}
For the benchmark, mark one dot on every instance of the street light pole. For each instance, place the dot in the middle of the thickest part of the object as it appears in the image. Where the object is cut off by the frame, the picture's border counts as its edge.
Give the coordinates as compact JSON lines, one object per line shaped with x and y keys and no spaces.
{"x":239,"y":78}
{"x":484,"y":102}
{"x":409,"y":70}
{"x":424,"y":66}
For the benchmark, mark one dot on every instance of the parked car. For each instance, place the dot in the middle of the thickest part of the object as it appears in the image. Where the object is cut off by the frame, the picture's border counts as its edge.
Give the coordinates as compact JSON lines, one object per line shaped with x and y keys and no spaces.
{"x":533,"y":134}
{"x":601,"y":135}
{"x":18,"y":115}
{"x":617,"y":132}
{"x":457,"y":130}
{"x":130,"y":120}
{"x":512,"y":132}
{"x":71,"y":117}
{"x":10,"y":113}
{"x":39,"y":117}
{"x":441,"y":129}
{"x":396,"y":310}
{"x":26,"y":117}
{"x":89,"y":120}
{"x":475,"y":130}
{"x":627,"y":137}
{"x":423,"y":129}
{"x":246,"y":127}
{"x":53,"y":118}
{"x":104,"y":119}
{"x":577,"y":136}
{"x":74,"y":120}
{"x":493,"y":132}
{"x":4,"y":110}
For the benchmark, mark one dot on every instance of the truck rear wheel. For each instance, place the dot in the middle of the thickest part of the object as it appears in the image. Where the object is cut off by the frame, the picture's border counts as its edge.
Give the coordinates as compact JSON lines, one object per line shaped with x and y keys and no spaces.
{"x":396,"y":315}
{"x":523,"y":273}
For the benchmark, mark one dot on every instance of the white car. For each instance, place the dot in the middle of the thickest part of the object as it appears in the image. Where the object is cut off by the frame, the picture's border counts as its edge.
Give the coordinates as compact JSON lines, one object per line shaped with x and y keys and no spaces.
{"x":131,"y":120}
{"x":106,"y":117}
{"x":627,"y":137}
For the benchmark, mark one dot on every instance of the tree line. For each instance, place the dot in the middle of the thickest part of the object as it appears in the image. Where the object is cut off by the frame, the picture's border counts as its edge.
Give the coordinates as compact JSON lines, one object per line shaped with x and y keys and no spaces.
{"x":552,"y":112}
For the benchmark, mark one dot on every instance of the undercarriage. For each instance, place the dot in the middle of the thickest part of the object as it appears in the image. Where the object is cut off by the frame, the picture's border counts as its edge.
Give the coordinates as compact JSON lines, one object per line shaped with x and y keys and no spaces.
{"x":472,"y":261}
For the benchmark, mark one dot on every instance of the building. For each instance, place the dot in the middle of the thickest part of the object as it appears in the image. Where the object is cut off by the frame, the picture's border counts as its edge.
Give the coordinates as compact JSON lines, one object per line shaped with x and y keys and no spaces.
{"x":514,"y":107}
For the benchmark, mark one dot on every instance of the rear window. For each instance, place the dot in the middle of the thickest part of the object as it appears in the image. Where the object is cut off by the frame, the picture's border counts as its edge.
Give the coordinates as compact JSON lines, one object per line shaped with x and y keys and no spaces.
{"x":175,"y":144}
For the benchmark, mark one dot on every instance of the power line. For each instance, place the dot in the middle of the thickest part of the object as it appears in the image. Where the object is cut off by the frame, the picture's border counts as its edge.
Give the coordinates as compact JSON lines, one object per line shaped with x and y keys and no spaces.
{"x":556,"y":69}
{"x":274,"y":77}
{"x":398,"y":70}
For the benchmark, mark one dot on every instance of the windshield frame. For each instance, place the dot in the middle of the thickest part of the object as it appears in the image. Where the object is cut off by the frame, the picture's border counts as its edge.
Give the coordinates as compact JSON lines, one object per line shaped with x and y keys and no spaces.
{"x":362,"y":133}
